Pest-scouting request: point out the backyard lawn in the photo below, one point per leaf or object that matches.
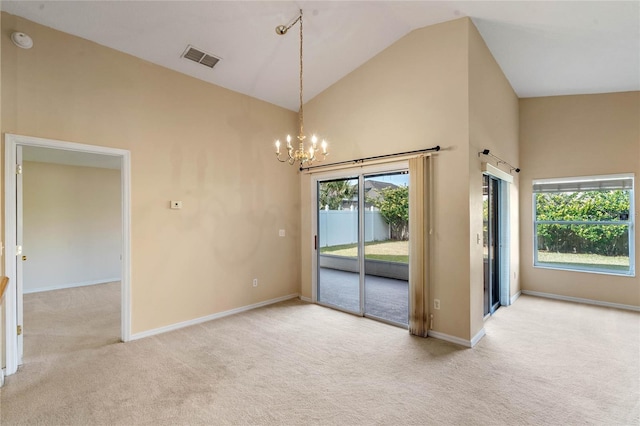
(614, 263)
(398, 251)
(390, 251)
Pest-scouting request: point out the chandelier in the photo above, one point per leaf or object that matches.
(304, 155)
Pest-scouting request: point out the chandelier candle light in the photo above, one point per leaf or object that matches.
(306, 156)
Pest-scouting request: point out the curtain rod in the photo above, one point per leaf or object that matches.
(500, 160)
(377, 157)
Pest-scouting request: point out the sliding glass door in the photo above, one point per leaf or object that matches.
(386, 247)
(363, 245)
(338, 248)
(490, 194)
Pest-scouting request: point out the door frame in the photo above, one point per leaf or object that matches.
(14, 290)
(345, 172)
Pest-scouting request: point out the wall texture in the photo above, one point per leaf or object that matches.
(190, 141)
(568, 136)
(72, 226)
(418, 93)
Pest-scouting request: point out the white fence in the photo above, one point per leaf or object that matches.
(339, 227)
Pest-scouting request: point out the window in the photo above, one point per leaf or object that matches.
(585, 224)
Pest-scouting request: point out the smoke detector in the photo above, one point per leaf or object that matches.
(22, 40)
(197, 55)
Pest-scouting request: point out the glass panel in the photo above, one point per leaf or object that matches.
(490, 227)
(338, 271)
(604, 247)
(386, 229)
(485, 241)
(584, 206)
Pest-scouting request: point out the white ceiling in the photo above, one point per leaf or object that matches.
(545, 48)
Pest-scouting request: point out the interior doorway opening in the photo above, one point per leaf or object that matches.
(71, 245)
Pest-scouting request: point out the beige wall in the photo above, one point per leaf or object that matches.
(413, 95)
(209, 147)
(568, 136)
(493, 124)
(72, 226)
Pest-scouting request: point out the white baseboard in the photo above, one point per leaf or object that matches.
(515, 297)
(306, 299)
(72, 285)
(581, 300)
(479, 335)
(457, 340)
(211, 317)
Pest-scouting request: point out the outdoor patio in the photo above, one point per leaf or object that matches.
(384, 297)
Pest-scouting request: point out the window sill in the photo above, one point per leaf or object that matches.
(629, 274)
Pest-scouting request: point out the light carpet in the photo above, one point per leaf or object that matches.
(541, 362)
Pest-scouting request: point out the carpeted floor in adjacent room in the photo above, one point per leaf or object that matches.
(541, 362)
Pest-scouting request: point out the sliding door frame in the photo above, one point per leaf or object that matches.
(345, 173)
(505, 180)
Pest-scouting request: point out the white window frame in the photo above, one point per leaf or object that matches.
(630, 223)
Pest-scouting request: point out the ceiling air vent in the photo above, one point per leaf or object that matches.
(197, 55)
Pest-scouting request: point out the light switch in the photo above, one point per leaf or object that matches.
(176, 204)
(281, 233)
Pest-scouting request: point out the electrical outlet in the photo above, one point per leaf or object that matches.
(176, 204)
(255, 282)
(436, 303)
(281, 233)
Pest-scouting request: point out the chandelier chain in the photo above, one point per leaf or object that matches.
(301, 112)
(308, 155)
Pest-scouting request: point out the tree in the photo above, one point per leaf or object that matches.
(335, 193)
(393, 204)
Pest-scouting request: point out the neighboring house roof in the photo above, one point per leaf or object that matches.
(373, 188)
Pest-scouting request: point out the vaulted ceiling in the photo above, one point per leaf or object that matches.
(545, 48)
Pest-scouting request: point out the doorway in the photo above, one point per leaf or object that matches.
(362, 244)
(14, 233)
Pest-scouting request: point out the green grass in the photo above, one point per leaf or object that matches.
(350, 246)
(389, 251)
(388, 258)
(581, 260)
